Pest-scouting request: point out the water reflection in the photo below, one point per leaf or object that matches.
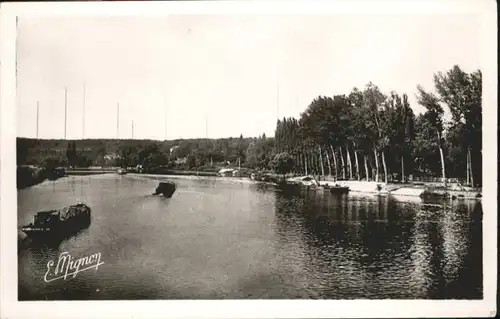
(364, 245)
(420, 252)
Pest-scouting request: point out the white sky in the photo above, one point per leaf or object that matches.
(227, 67)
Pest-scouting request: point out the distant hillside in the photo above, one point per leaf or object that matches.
(101, 152)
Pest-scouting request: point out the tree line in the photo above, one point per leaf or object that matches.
(369, 135)
(250, 152)
(364, 135)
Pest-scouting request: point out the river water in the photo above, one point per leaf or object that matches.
(217, 239)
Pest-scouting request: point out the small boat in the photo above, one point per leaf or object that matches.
(166, 189)
(307, 181)
(320, 188)
(56, 173)
(339, 190)
(288, 186)
(59, 223)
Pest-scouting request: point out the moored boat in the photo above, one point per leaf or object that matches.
(55, 173)
(166, 189)
(288, 185)
(59, 223)
(339, 190)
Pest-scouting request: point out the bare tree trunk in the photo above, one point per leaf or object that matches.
(328, 162)
(310, 163)
(305, 163)
(385, 166)
(296, 166)
(442, 164)
(321, 161)
(301, 162)
(349, 163)
(376, 163)
(357, 165)
(314, 164)
(402, 169)
(470, 167)
(343, 163)
(366, 168)
(334, 161)
(442, 158)
(318, 164)
(295, 163)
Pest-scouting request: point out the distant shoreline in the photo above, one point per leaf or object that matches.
(406, 189)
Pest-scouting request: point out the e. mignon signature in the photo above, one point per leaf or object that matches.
(70, 266)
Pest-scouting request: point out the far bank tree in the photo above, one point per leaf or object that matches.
(283, 163)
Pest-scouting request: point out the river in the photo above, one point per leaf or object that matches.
(220, 239)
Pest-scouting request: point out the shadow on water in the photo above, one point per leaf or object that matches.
(52, 242)
(384, 248)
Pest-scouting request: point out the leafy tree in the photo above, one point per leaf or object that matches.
(374, 101)
(462, 93)
(432, 123)
(283, 163)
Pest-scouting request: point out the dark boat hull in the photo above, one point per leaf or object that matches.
(58, 229)
(291, 189)
(167, 189)
(339, 190)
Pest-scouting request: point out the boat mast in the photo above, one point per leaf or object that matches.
(117, 120)
(83, 112)
(277, 100)
(65, 109)
(37, 117)
(206, 136)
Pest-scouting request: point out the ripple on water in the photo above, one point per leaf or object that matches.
(217, 239)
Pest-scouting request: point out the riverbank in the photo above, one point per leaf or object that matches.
(401, 190)
(171, 172)
(425, 190)
(161, 177)
(90, 171)
(27, 175)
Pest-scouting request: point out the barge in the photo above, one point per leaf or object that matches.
(339, 190)
(59, 223)
(166, 189)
